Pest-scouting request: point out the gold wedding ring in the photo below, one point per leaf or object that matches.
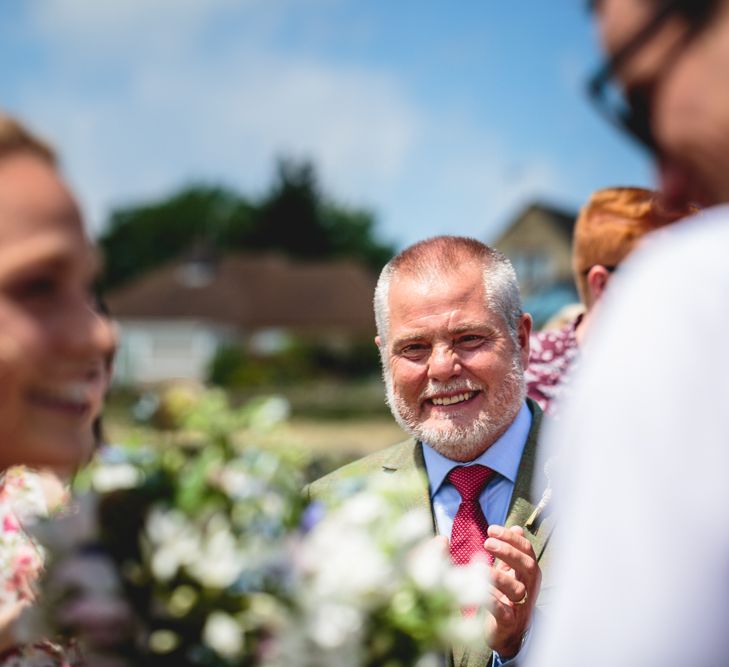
(524, 599)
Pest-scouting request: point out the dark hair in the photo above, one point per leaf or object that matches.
(695, 11)
(16, 138)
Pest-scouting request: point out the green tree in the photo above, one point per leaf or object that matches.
(139, 238)
(289, 217)
(352, 234)
(297, 218)
(293, 217)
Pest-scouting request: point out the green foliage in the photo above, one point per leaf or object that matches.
(352, 235)
(226, 363)
(232, 367)
(139, 238)
(293, 217)
(288, 218)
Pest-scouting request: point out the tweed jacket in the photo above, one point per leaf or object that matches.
(528, 488)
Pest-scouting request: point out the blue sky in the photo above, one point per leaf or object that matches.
(441, 117)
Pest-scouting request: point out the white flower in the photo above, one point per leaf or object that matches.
(413, 526)
(344, 561)
(223, 634)
(236, 483)
(218, 563)
(469, 584)
(429, 660)
(362, 509)
(427, 565)
(333, 624)
(466, 630)
(173, 539)
(271, 411)
(108, 478)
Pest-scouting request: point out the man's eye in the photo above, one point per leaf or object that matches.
(470, 341)
(414, 350)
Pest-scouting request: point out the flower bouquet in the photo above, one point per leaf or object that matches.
(203, 552)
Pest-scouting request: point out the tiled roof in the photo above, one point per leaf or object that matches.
(255, 291)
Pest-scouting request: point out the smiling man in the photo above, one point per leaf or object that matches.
(454, 342)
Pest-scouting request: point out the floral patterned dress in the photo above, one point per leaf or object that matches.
(21, 561)
(553, 358)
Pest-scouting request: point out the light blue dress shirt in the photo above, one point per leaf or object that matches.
(503, 457)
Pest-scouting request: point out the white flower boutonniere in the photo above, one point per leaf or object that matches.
(535, 519)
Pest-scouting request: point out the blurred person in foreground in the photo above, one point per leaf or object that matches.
(645, 509)
(53, 348)
(612, 223)
(454, 342)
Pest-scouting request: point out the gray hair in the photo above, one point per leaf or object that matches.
(442, 254)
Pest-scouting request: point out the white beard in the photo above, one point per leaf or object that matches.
(463, 442)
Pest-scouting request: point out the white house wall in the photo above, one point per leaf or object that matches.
(159, 350)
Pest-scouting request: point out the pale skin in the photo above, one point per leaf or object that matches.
(53, 345)
(597, 281)
(442, 332)
(687, 84)
(515, 574)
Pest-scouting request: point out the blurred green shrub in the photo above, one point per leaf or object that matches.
(233, 367)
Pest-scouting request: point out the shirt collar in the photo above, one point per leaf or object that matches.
(502, 457)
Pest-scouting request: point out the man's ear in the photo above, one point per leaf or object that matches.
(378, 342)
(524, 331)
(597, 279)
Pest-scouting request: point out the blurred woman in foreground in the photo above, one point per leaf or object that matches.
(53, 352)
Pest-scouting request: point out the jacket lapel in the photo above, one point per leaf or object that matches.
(529, 486)
(408, 459)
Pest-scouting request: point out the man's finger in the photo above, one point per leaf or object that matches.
(524, 564)
(513, 536)
(509, 586)
(502, 611)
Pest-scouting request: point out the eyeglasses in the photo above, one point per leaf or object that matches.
(631, 112)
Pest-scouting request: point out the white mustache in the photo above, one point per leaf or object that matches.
(456, 386)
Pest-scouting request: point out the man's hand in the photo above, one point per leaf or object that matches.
(516, 579)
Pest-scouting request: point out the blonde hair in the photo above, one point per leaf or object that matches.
(612, 223)
(16, 138)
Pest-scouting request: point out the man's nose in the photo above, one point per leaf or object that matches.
(443, 364)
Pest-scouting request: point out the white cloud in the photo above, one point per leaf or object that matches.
(104, 26)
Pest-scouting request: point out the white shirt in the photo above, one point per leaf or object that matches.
(642, 552)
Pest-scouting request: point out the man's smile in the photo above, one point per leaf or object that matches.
(452, 399)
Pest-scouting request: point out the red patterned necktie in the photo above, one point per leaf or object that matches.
(469, 526)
